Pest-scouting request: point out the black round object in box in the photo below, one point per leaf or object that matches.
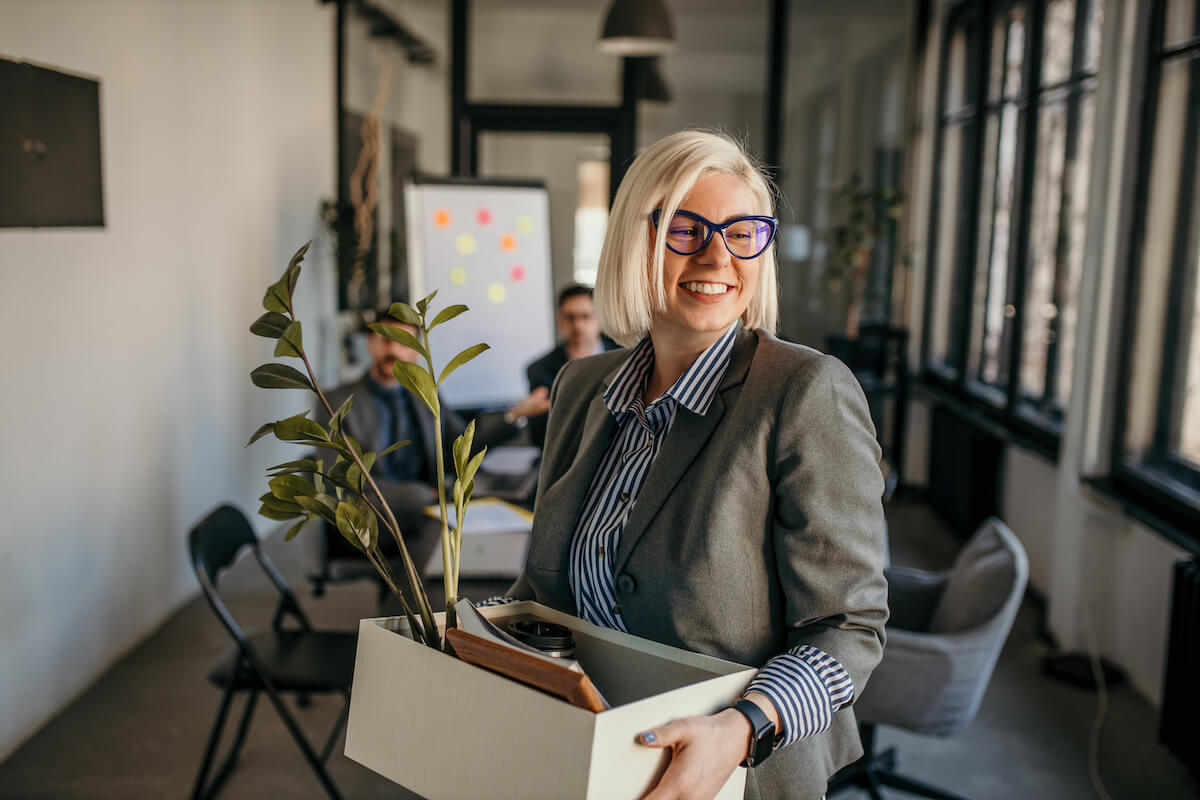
(549, 637)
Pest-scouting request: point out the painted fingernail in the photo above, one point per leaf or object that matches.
(649, 738)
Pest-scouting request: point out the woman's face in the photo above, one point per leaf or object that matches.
(708, 290)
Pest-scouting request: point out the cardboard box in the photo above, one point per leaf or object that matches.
(446, 729)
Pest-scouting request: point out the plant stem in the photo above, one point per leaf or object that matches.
(449, 560)
(414, 581)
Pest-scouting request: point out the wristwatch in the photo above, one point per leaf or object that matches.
(511, 419)
(762, 740)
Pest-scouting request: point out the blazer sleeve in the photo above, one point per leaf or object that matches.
(828, 530)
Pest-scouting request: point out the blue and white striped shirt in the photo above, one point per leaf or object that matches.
(805, 684)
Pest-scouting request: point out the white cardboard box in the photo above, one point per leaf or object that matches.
(446, 729)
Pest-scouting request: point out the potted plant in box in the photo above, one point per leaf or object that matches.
(339, 488)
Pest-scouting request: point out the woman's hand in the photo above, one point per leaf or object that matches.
(704, 753)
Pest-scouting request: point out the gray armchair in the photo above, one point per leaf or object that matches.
(943, 639)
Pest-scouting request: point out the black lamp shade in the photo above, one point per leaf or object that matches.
(637, 28)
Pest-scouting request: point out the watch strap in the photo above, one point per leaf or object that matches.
(762, 739)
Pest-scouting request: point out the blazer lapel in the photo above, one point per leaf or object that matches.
(688, 435)
(562, 501)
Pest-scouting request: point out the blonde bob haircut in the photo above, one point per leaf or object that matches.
(629, 278)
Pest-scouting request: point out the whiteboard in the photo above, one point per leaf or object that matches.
(486, 245)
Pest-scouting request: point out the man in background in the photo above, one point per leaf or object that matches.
(384, 412)
(580, 334)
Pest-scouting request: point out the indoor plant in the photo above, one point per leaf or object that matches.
(340, 489)
(868, 214)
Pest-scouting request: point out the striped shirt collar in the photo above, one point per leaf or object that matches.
(695, 388)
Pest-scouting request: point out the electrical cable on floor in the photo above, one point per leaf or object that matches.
(1093, 652)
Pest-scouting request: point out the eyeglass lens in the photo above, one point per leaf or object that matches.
(745, 238)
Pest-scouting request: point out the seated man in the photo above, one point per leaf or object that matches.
(577, 325)
(385, 412)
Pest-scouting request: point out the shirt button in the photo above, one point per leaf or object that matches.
(600, 549)
(626, 583)
(624, 497)
(616, 608)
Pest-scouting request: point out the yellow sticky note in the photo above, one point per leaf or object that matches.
(525, 224)
(496, 293)
(458, 276)
(465, 243)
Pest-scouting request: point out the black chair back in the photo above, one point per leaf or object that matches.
(217, 539)
(214, 543)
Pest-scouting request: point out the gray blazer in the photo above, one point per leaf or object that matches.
(759, 527)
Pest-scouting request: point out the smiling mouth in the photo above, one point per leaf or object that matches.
(706, 288)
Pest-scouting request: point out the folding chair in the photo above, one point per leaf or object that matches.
(298, 660)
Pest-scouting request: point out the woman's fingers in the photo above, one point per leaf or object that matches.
(665, 736)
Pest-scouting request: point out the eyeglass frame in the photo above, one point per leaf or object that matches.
(713, 227)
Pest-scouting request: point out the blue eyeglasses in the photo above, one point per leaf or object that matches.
(744, 237)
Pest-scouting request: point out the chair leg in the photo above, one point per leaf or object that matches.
(327, 750)
(302, 743)
(231, 760)
(210, 749)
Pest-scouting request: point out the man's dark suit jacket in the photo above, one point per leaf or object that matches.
(542, 373)
(759, 527)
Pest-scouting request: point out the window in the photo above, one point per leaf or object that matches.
(1157, 448)
(1018, 82)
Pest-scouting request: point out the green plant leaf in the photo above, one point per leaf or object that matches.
(300, 428)
(335, 446)
(423, 304)
(473, 465)
(460, 359)
(368, 514)
(322, 505)
(270, 325)
(338, 473)
(462, 447)
(318, 479)
(295, 529)
(277, 298)
(445, 315)
(289, 487)
(304, 465)
(345, 519)
(400, 336)
(359, 527)
(283, 509)
(405, 313)
(292, 273)
(368, 459)
(394, 447)
(335, 422)
(417, 381)
(261, 432)
(279, 376)
(290, 342)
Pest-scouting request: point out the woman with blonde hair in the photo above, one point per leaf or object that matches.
(715, 488)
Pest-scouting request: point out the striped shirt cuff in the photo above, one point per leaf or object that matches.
(806, 685)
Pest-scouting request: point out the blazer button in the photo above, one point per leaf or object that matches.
(616, 608)
(626, 583)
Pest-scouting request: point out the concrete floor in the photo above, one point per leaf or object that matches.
(140, 730)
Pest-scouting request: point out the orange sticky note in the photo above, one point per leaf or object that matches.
(441, 218)
(508, 242)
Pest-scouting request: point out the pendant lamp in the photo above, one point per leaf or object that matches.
(637, 28)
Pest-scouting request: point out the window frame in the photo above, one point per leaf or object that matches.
(1025, 419)
(1149, 482)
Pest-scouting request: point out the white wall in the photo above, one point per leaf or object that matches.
(125, 354)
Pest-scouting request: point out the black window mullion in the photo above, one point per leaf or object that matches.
(967, 249)
(1023, 191)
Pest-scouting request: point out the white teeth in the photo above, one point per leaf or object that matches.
(705, 288)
